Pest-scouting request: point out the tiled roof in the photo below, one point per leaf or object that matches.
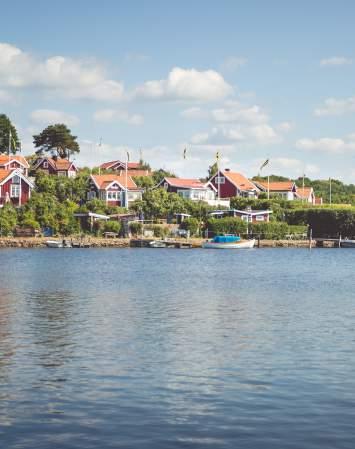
(136, 172)
(103, 181)
(279, 186)
(131, 165)
(5, 158)
(3, 174)
(239, 180)
(304, 192)
(185, 183)
(60, 164)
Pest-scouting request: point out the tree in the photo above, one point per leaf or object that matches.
(58, 140)
(6, 143)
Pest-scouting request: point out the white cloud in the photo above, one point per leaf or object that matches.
(327, 145)
(284, 127)
(235, 112)
(64, 76)
(194, 113)
(233, 63)
(335, 61)
(334, 106)
(50, 117)
(186, 84)
(112, 115)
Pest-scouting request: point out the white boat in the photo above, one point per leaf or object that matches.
(58, 244)
(347, 243)
(228, 242)
(157, 244)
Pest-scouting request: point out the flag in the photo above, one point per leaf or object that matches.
(127, 156)
(185, 153)
(14, 143)
(100, 142)
(217, 156)
(264, 164)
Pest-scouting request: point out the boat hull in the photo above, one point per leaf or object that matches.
(57, 244)
(347, 243)
(235, 245)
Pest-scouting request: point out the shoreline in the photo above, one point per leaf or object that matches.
(100, 242)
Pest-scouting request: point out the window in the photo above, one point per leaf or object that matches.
(91, 195)
(112, 196)
(45, 164)
(15, 191)
(16, 180)
(259, 217)
(244, 217)
(62, 173)
(220, 179)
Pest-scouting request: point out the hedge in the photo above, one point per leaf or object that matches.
(325, 222)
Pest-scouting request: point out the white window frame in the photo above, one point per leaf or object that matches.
(15, 190)
(45, 164)
(259, 218)
(61, 173)
(112, 195)
(220, 180)
(16, 179)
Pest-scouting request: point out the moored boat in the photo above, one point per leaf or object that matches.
(228, 242)
(347, 243)
(58, 244)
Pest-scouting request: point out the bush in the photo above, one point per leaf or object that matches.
(112, 226)
(227, 225)
(191, 224)
(8, 219)
(325, 222)
(135, 228)
(275, 230)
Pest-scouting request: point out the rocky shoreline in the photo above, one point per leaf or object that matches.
(96, 242)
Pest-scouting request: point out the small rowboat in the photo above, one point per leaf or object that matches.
(228, 242)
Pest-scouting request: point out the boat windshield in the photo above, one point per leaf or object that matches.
(226, 238)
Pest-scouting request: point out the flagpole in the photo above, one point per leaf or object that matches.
(330, 190)
(126, 180)
(303, 198)
(9, 144)
(268, 187)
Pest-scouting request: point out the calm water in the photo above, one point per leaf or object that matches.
(142, 348)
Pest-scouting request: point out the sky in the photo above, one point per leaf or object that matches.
(252, 80)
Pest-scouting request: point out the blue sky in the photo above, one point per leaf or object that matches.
(252, 80)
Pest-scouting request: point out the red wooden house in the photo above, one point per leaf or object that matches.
(233, 184)
(15, 188)
(12, 162)
(111, 188)
(56, 167)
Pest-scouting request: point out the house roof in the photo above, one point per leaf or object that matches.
(110, 164)
(239, 180)
(185, 183)
(304, 192)
(103, 181)
(57, 164)
(6, 174)
(5, 159)
(278, 186)
(137, 172)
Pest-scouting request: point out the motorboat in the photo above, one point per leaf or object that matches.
(228, 242)
(347, 243)
(58, 244)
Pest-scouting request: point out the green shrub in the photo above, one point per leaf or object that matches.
(135, 228)
(191, 224)
(275, 230)
(112, 226)
(227, 225)
(8, 219)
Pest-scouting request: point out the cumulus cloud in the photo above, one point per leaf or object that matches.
(327, 145)
(194, 113)
(335, 61)
(5, 97)
(68, 77)
(235, 112)
(186, 84)
(50, 116)
(334, 106)
(112, 115)
(284, 127)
